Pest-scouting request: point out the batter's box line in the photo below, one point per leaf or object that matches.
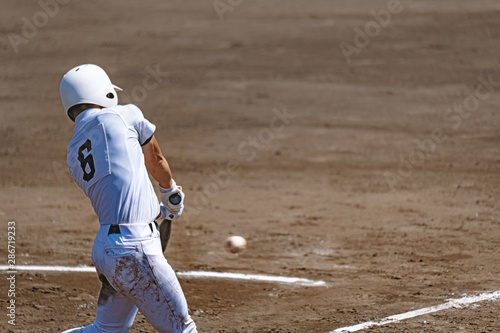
(186, 275)
(459, 303)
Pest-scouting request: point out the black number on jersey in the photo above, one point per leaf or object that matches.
(84, 161)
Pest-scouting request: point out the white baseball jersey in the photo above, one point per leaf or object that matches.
(105, 159)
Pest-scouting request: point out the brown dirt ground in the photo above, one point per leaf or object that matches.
(314, 201)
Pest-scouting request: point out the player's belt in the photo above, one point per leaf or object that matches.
(115, 228)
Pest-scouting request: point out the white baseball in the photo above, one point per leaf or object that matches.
(235, 244)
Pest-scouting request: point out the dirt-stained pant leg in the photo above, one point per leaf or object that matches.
(134, 275)
(115, 313)
(172, 297)
(146, 277)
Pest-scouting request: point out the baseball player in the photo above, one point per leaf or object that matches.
(111, 148)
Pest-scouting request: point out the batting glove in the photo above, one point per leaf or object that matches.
(173, 201)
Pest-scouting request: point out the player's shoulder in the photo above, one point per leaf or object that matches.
(129, 113)
(127, 109)
(122, 113)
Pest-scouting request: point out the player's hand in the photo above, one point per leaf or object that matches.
(173, 200)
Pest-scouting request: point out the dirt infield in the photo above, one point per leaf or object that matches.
(344, 145)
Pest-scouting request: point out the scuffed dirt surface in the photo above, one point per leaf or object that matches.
(313, 200)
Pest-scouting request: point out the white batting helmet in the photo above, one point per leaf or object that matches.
(87, 84)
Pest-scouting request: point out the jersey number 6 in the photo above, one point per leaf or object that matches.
(86, 160)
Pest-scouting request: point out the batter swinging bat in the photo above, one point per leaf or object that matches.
(166, 225)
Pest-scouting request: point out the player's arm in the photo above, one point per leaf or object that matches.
(158, 167)
(156, 163)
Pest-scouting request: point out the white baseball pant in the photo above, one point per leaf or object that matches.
(135, 275)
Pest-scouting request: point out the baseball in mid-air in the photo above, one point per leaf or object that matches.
(235, 244)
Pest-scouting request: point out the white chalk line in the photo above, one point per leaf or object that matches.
(254, 277)
(188, 274)
(452, 303)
